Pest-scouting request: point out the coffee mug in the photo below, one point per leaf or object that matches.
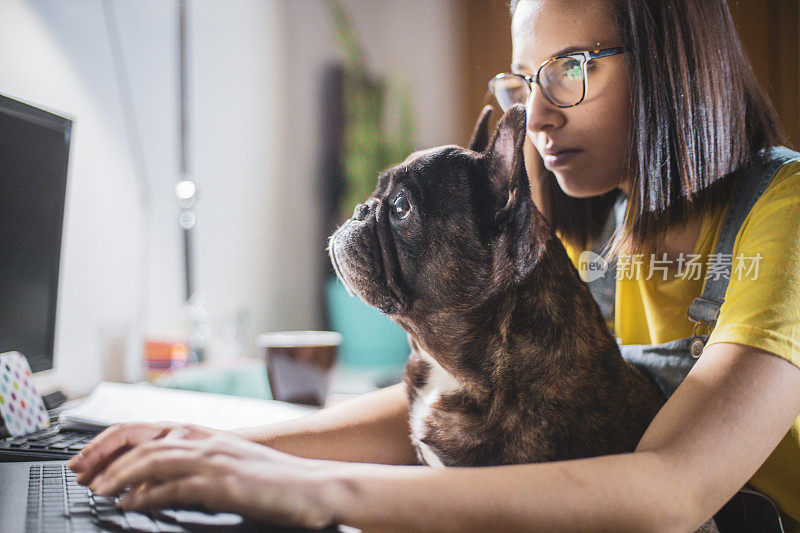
(299, 364)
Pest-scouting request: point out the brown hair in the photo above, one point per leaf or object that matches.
(697, 115)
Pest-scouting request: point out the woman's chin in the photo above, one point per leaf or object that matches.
(581, 188)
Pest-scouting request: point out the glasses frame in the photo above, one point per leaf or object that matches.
(584, 58)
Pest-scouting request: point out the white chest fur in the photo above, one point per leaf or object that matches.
(438, 382)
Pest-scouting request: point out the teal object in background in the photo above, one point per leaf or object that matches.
(370, 338)
(242, 377)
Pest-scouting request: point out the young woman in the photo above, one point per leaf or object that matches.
(649, 101)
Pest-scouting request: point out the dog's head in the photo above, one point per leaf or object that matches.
(445, 227)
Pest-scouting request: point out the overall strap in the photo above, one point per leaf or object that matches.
(753, 181)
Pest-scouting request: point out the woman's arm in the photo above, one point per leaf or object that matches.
(706, 442)
(371, 428)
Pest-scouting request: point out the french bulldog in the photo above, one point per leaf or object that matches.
(511, 359)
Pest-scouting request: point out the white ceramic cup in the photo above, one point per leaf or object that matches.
(299, 364)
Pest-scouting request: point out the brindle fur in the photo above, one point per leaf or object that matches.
(484, 287)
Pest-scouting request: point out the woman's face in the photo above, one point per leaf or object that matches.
(594, 135)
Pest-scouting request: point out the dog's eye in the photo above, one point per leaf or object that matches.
(401, 207)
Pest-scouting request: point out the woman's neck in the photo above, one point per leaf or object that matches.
(681, 240)
(678, 240)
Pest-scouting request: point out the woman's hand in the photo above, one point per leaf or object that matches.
(175, 465)
(120, 438)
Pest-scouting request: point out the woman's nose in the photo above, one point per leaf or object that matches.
(542, 115)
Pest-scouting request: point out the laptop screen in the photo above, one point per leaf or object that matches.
(34, 151)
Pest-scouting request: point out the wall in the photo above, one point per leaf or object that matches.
(488, 52)
(60, 61)
(254, 145)
(413, 42)
(770, 32)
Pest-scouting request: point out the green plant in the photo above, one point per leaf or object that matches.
(368, 148)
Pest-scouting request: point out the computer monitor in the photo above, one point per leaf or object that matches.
(34, 151)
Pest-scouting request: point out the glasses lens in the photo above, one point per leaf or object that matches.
(562, 81)
(509, 90)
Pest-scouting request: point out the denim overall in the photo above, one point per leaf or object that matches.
(667, 364)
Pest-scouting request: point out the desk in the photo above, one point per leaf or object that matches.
(248, 377)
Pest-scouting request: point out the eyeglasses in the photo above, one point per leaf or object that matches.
(562, 80)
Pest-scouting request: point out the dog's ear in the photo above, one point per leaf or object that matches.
(480, 134)
(506, 162)
(515, 214)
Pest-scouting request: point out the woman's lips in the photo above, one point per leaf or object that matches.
(559, 159)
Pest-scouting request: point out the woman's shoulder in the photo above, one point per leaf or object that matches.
(786, 180)
(761, 301)
(779, 204)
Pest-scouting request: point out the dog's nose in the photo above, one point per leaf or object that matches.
(360, 212)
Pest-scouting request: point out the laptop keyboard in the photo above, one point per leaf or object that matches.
(50, 443)
(56, 502)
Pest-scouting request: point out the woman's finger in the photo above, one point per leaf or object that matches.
(160, 460)
(183, 491)
(157, 467)
(109, 444)
(116, 440)
(224, 488)
(180, 432)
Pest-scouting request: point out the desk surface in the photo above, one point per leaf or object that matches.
(248, 377)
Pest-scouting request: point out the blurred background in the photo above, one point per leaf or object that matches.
(291, 107)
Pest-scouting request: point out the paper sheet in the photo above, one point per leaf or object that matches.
(112, 403)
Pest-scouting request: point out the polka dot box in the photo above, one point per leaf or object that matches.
(21, 408)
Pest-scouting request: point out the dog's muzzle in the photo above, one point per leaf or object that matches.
(356, 253)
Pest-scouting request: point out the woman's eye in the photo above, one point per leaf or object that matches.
(401, 207)
(572, 70)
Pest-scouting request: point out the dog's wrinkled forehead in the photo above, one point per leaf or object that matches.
(420, 157)
(429, 170)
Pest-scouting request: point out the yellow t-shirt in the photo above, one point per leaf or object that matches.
(761, 308)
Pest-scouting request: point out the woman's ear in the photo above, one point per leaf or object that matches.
(480, 134)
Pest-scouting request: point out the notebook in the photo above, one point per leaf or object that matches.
(112, 403)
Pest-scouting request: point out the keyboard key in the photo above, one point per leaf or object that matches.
(43, 434)
(79, 509)
(112, 520)
(45, 441)
(140, 522)
(67, 442)
(48, 443)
